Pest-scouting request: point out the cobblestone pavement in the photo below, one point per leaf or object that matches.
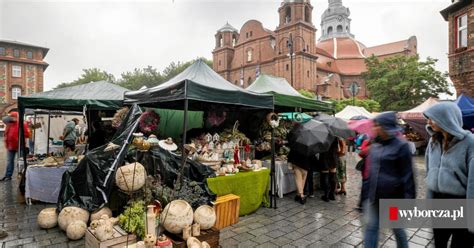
(316, 224)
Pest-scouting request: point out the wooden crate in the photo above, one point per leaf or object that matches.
(118, 241)
(211, 236)
(227, 210)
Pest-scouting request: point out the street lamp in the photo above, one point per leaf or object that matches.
(291, 54)
(354, 89)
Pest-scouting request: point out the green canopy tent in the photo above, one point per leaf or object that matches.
(99, 95)
(286, 97)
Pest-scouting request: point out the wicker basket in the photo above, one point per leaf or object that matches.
(211, 236)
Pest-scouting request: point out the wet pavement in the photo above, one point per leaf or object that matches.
(315, 224)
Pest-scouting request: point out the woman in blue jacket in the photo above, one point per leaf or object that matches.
(390, 176)
(449, 165)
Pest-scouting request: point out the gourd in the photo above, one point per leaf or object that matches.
(205, 216)
(76, 230)
(48, 218)
(105, 228)
(176, 215)
(130, 177)
(71, 214)
(97, 214)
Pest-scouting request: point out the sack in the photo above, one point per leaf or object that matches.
(360, 165)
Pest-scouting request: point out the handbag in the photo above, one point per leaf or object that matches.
(360, 165)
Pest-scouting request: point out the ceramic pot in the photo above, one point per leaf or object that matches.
(176, 215)
(205, 216)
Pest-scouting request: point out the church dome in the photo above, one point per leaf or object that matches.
(227, 28)
(343, 48)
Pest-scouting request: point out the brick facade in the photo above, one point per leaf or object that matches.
(29, 81)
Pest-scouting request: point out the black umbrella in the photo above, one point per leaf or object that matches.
(337, 125)
(310, 138)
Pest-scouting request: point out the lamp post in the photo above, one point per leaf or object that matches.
(290, 45)
(354, 89)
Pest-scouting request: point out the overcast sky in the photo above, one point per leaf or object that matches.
(118, 36)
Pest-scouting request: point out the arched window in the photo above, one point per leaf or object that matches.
(288, 15)
(219, 62)
(307, 14)
(287, 67)
(339, 28)
(347, 28)
(16, 92)
(235, 82)
(249, 55)
(234, 40)
(330, 30)
(249, 81)
(219, 41)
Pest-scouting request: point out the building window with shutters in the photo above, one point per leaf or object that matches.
(461, 31)
(16, 92)
(16, 71)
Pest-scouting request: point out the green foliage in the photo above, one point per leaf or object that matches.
(403, 82)
(370, 105)
(307, 93)
(132, 219)
(89, 75)
(134, 80)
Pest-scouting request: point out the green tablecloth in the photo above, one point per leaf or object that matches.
(252, 187)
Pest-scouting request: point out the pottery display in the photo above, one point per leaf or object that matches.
(150, 240)
(176, 215)
(205, 216)
(98, 213)
(105, 228)
(138, 139)
(187, 232)
(196, 229)
(76, 230)
(153, 140)
(204, 244)
(130, 177)
(193, 242)
(48, 218)
(150, 220)
(71, 214)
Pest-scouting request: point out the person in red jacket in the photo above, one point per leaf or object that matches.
(11, 143)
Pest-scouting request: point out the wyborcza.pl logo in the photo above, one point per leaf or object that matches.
(409, 214)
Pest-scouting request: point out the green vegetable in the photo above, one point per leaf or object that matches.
(132, 219)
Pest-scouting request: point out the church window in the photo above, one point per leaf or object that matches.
(221, 42)
(339, 28)
(16, 92)
(234, 40)
(219, 62)
(307, 48)
(247, 35)
(330, 30)
(251, 33)
(461, 31)
(287, 67)
(249, 81)
(347, 28)
(288, 15)
(235, 82)
(307, 13)
(307, 74)
(249, 55)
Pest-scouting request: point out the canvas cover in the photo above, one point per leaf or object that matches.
(96, 95)
(198, 83)
(350, 111)
(417, 112)
(285, 95)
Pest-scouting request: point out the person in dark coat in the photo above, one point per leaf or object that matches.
(390, 176)
(329, 161)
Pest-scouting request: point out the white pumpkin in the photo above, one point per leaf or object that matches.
(205, 216)
(176, 215)
(48, 218)
(130, 177)
(204, 244)
(98, 213)
(193, 242)
(105, 228)
(76, 230)
(71, 214)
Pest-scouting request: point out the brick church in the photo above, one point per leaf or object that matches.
(328, 67)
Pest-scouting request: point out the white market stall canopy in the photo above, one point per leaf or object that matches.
(417, 112)
(351, 111)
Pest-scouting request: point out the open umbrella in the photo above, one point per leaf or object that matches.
(359, 117)
(310, 138)
(338, 126)
(295, 116)
(363, 126)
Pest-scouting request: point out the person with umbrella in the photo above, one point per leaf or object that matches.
(305, 142)
(390, 177)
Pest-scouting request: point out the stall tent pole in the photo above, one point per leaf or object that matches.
(272, 175)
(22, 137)
(49, 130)
(89, 126)
(34, 134)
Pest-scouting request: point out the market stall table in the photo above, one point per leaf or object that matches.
(285, 178)
(252, 187)
(43, 183)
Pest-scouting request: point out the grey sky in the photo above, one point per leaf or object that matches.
(118, 36)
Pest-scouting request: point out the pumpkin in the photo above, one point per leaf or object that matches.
(130, 177)
(76, 230)
(98, 213)
(193, 242)
(48, 218)
(204, 244)
(205, 216)
(71, 214)
(176, 216)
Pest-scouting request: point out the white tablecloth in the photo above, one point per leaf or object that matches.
(285, 178)
(44, 183)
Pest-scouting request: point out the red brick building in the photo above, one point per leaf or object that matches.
(21, 72)
(327, 67)
(460, 17)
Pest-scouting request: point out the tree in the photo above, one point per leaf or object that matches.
(138, 78)
(307, 93)
(89, 75)
(370, 105)
(403, 82)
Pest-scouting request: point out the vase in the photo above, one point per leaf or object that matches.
(150, 220)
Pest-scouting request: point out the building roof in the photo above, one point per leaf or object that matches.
(342, 48)
(227, 28)
(351, 67)
(17, 43)
(389, 48)
(455, 6)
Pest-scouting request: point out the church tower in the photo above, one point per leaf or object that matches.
(223, 54)
(296, 32)
(335, 21)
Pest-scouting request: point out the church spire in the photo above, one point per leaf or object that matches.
(335, 21)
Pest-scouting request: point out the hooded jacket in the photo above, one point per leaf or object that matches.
(11, 133)
(451, 171)
(391, 165)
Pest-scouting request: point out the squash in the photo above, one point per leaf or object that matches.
(98, 213)
(130, 177)
(71, 214)
(76, 230)
(48, 218)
